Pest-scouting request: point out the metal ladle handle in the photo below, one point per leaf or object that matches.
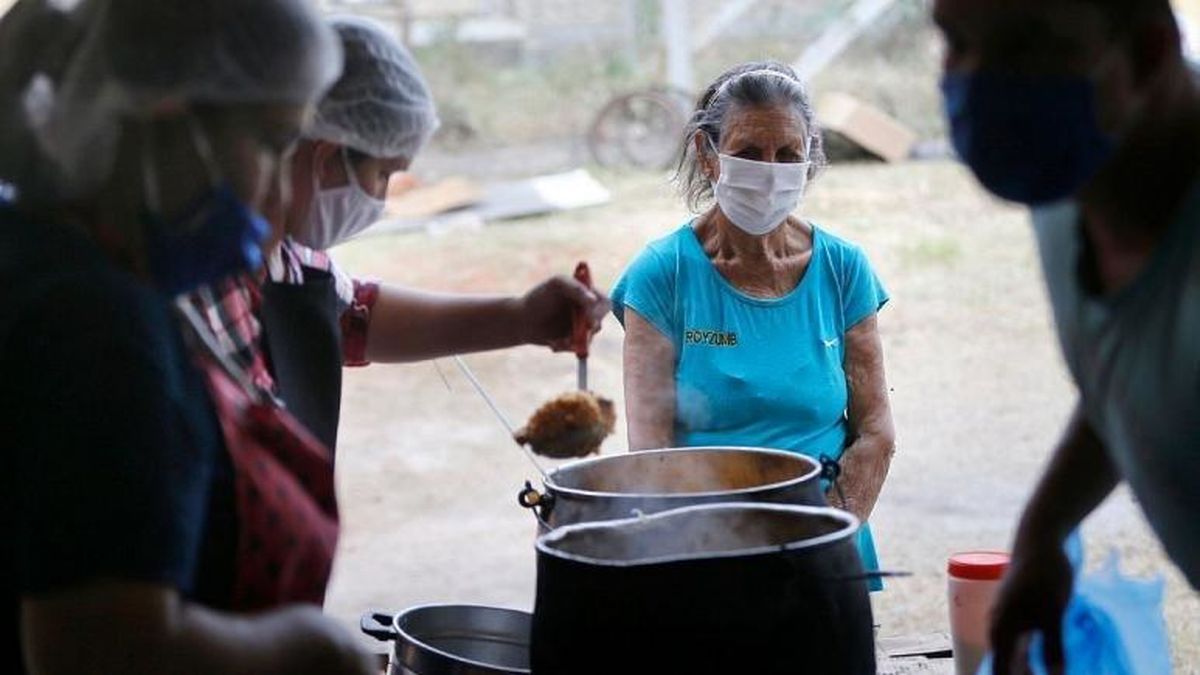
(581, 328)
(508, 426)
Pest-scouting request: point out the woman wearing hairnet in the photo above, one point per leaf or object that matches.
(369, 126)
(161, 514)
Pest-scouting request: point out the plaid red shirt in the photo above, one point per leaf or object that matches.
(356, 297)
(231, 306)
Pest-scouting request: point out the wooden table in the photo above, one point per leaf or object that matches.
(899, 655)
(914, 655)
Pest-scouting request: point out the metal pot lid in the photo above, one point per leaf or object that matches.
(842, 525)
(555, 485)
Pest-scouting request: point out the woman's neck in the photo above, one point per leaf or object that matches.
(1138, 193)
(1129, 206)
(725, 241)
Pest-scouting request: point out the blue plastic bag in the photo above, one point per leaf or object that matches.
(1113, 624)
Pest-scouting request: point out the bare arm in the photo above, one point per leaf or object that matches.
(412, 325)
(130, 629)
(649, 364)
(1038, 584)
(1080, 476)
(865, 463)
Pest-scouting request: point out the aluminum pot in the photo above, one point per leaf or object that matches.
(715, 588)
(453, 639)
(649, 481)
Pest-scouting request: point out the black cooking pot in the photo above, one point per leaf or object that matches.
(618, 486)
(719, 588)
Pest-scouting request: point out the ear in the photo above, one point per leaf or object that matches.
(705, 156)
(327, 163)
(1154, 46)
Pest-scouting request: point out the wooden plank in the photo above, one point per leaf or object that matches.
(837, 37)
(429, 200)
(914, 666)
(866, 126)
(676, 32)
(927, 645)
(725, 17)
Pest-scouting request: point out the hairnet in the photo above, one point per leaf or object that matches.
(112, 59)
(381, 105)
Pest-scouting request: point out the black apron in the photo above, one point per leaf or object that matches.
(303, 343)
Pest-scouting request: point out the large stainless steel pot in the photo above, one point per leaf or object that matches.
(618, 486)
(453, 639)
(716, 588)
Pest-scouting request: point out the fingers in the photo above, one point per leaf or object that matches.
(553, 305)
(1004, 644)
(594, 303)
(1020, 655)
(1054, 647)
(561, 345)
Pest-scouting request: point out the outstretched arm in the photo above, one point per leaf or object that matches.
(126, 628)
(1038, 584)
(412, 325)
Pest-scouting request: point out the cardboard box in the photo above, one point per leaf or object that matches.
(866, 126)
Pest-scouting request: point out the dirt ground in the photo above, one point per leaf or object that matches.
(428, 479)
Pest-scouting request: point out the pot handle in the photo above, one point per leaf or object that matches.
(874, 574)
(540, 503)
(378, 625)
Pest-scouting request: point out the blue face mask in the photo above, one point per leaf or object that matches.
(1032, 140)
(218, 235)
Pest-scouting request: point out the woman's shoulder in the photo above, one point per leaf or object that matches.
(662, 255)
(850, 275)
(649, 283)
(841, 253)
(59, 287)
(674, 244)
(834, 243)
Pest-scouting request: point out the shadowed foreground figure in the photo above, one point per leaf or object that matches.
(1085, 111)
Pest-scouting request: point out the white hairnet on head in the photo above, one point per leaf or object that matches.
(380, 105)
(115, 59)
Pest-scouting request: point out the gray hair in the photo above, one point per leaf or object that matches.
(756, 84)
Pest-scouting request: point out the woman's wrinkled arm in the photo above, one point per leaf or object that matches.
(866, 461)
(649, 364)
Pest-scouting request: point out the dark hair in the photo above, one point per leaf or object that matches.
(757, 84)
(356, 157)
(1124, 15)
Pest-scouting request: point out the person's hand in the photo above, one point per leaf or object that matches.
(327, 648)
(1033, 597)
(547, 311)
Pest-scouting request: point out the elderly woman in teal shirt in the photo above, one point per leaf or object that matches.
(751, 326)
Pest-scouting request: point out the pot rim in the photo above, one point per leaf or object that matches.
(850, 525)
(555, 487)
(400, 635)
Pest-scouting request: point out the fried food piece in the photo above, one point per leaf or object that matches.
(573, 424)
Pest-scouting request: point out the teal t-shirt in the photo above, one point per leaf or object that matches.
(756, 371)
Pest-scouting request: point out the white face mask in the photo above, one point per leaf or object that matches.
(337, 214)
(758, 196)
